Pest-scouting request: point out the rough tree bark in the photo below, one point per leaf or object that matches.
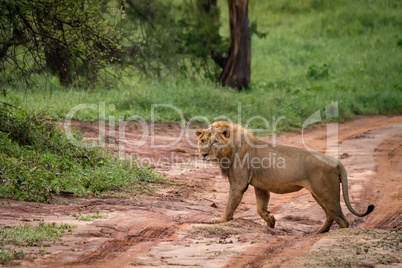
(236, 73)
(236, 66)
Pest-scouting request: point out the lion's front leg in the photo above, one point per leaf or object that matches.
(235, 195)
(262, 198)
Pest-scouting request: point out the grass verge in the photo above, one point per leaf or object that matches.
(37, 161)
(12, 239)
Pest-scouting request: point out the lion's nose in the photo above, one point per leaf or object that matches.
(204, 155)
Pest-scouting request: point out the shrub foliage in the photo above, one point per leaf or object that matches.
(37, 161)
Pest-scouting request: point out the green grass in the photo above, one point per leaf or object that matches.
(358, 42)
(28, 236)
(7, 255)
(90, 217)
(38, 161)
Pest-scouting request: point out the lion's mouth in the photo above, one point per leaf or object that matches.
(209, 159)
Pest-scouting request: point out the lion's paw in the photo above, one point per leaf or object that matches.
(271, 222)
(219, 220)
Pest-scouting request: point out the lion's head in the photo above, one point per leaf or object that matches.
(217, 141)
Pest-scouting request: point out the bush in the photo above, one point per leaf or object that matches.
(37, 160)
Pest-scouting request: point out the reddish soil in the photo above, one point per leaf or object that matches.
(171, 227)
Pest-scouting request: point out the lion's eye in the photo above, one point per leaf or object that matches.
(202, 141)
(214, 141)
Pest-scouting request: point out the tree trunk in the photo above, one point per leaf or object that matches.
(58, 62)
(236, 73)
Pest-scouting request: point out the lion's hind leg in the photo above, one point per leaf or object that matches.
(328, 197)
(328, 221)
(262, 198)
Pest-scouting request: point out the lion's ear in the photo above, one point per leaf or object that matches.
(198, 131)
(226, 133)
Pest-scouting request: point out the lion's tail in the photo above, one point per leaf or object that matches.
(344, 180)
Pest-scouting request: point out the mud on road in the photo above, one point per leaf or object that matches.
(171, 227)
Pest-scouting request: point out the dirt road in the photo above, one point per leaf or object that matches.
(172, 226)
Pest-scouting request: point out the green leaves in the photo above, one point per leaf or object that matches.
(317, 72)
(43, 162)
(70, 39)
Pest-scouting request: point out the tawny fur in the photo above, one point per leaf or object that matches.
(245, 161)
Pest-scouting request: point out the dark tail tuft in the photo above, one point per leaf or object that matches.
(369, 210)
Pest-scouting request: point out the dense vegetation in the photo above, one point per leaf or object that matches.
(87, 42)
(37, 161)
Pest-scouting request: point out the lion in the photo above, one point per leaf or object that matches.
(246, 160)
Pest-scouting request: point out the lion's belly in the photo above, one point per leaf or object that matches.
(275, 187)
(280, 181)
(289, 170)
